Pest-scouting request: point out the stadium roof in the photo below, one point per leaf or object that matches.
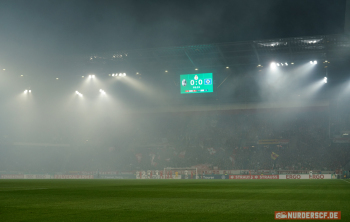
(326, 47)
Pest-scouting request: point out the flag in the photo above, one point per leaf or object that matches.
(274, 155)
(182, 154)
(232, 158)
(152, 155)
(211, 150)
(138, 156)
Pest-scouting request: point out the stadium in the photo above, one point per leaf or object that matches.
(204, 132)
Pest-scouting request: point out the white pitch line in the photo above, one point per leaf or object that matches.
(19, 189)
(346, 181)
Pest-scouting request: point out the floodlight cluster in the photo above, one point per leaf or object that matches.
(282, 64)
(78, 93)
(116, 74)
(274, 64)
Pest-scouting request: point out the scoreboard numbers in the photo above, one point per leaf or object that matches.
(198, 83)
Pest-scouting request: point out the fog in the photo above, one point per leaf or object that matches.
(142, 122)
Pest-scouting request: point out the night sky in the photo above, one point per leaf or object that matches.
(44, 37)
(66, 27)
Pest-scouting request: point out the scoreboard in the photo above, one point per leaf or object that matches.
(196, 83)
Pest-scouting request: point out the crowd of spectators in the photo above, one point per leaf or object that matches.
(227, 140)
(239, 141)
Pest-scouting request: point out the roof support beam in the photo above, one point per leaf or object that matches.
(222, 56)
(291, 56)
(347, 19)
(256, 53)
(190, 59)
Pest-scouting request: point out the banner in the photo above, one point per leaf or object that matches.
(214, 177)
(12, 176)
(115, 177)
(305, 176)
(25, 176)
(171, 176)
(274, 141)
(73, 177)
(254, 177)
(36, 176)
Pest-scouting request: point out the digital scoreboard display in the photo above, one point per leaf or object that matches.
(196, 83)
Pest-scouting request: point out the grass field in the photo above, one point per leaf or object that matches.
(168, 200)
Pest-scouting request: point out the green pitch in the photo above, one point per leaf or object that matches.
(168, 200)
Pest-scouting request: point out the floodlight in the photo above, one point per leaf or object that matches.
(29, 91)
(315, 62)
(325, 80)
(311, 62)
(227, 67)
(93, 76)
(25, 91)
(281, 64)
(196, 69)
(286, 64)
(124, 74)
(277, 64)
(78, 93)
(273, 65)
